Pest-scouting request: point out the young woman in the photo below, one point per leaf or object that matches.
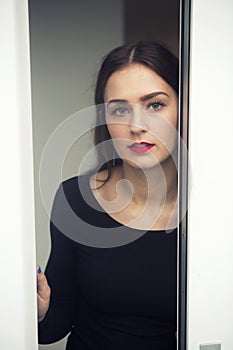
(121, 296)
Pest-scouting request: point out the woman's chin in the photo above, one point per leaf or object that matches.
(141, 164)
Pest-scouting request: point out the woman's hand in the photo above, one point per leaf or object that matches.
(43, 294)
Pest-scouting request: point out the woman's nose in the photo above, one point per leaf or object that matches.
(137, 121)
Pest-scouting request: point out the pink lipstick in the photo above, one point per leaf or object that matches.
(141, 147)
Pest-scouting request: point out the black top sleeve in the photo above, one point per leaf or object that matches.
(60, 275)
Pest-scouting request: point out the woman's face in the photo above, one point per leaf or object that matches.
(141, 115)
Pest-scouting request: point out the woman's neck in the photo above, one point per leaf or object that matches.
(157, 184)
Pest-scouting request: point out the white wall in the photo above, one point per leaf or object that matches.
(18, 326)
(210, 272)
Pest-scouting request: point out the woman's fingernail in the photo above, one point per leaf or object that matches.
(39, 270)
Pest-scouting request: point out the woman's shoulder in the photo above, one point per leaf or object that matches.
(76, 197)
(73, 193)
(73, 183)
(85, 186)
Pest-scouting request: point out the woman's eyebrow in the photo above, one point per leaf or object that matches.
(153, 94)
(117, 101)
(143, 98)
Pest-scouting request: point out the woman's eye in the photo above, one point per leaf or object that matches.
(156, 105)
(120, 111)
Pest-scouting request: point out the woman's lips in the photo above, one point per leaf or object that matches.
(141, 147)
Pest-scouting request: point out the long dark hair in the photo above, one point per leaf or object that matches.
(150, 54)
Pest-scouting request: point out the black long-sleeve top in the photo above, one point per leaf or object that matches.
(116, 298)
